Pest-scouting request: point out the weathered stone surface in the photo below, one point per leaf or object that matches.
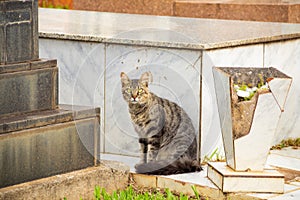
(73, 185)
(56, 145)
(28, 87)
(65, 113)
(18, 31)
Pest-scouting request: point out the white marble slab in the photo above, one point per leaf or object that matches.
(159, 31)
(176, 76)
(222, 84)
(285, 57)
(286, 158)
(251, 150)
(81, 71)
(245, 56)
(231, 181)
(81, 67)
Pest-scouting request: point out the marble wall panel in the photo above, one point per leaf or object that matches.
(81, 71)
(176, 76)
(285, 57)
(246, 56)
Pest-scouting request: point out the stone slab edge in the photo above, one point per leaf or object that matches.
(65, 113)
(150, 181)
(26, 66)
(74, 185)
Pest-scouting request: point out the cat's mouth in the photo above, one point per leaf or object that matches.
(134, 100)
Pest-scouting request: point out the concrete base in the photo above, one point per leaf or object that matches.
(47, 143)
(227, 180)
(74, 185)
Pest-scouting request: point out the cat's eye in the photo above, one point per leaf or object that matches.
(141, 90)
(128, 90)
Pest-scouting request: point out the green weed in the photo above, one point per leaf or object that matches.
(131, 194)
(287, 143)
(214, 156)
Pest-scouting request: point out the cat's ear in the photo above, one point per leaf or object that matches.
(146, 78)
(124, 79)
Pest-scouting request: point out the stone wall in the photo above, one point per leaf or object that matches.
(268, 10)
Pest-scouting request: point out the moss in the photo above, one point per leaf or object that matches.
(287, 143)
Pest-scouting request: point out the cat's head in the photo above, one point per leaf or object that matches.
(136, 91)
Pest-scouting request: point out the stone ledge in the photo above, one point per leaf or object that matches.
(166, 32)
(27, 66)
(174, 184)
(65, 113)
(74, 185)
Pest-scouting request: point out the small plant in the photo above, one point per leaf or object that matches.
(295, 143)
(214, 156)
(131, 194)
(246, 92)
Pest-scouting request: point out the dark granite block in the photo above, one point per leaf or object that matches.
(18, 31)
(2, 38)
(29, 90)
(51, 148)
(18, 42)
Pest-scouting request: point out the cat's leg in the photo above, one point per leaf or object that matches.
(143, 150)
(153, 148)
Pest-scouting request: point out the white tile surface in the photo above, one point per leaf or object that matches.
(176, 76)
(198, 178)
(247, 56)
(288, 196)
(284, 162)
(128, 160)
(285, 57)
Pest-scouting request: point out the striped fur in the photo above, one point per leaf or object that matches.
(166, 134)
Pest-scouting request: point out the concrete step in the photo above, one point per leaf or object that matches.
(79, 184)
(47, 143)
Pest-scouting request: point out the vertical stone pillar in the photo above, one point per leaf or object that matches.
(18, 31)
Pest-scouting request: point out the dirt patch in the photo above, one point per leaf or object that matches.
(290, 175)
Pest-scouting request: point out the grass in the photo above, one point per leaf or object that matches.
(295, 143)
(131, 194)
(214, 156)
(151, 194)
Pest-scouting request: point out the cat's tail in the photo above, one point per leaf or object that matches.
(165, 168)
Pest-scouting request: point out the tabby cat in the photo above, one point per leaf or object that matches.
(166, 134)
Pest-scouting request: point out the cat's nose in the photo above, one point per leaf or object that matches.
(134, 95)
